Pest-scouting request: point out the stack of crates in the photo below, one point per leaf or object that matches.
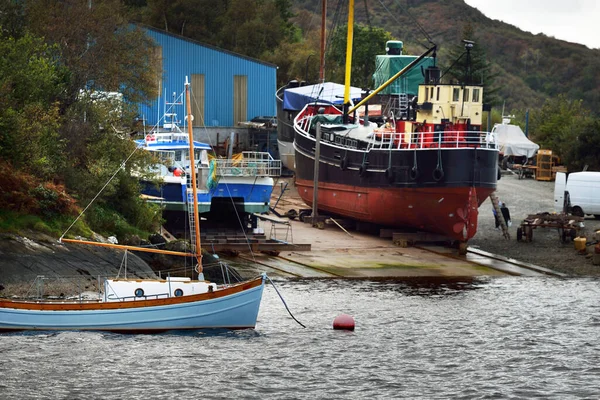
(544, 165)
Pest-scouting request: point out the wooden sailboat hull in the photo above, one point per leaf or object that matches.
(235, 307)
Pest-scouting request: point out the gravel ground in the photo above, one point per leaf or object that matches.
(524, 197)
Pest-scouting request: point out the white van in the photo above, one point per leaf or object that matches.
(579, 193)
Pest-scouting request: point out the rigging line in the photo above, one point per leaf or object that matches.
(452, 65)
(416, 21)
(337, 15)
(228, 190)
(122, 166)
(367, 15)
(412, 17)
(312, 17)
(284, 303)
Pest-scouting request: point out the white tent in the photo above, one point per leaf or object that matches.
(512, 141)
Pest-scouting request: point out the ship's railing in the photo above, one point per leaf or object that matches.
(383, 140)
(166, 137)
(251, 163)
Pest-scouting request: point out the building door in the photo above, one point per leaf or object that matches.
(197, 99)
(240, 98)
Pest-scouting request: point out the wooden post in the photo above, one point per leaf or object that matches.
(315, 212)
(494, 200)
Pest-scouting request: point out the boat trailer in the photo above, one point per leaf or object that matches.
(568, 226)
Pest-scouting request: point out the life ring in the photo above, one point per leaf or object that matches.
(438, 174)
(414, 173)
(150, 138)
(362, 170)
(343, 163)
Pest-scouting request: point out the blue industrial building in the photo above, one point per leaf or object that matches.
(227, 88)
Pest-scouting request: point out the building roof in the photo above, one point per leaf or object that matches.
(207, 45)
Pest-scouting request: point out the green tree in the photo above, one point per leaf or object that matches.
(367, 43)
(472, 66)
(101, 50)
(31, 81)
(560, 125)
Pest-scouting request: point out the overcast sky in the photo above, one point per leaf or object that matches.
(576, 21)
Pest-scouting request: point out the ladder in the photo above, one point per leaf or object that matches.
(403, 104)
(494, 200)
(192, 222)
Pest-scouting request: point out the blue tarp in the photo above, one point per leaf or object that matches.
(328, 92)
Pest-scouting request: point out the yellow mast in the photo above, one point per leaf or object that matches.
(193, 172)
(349, 51)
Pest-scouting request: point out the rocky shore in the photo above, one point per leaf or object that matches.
(25, 257)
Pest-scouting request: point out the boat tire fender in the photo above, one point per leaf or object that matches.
(362, 170)
(414, 173)
(389, 174)
(343, 164)
(438, 174)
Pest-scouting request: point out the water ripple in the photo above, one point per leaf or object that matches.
(508, 338)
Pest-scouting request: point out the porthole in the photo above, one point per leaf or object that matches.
(178, 292)
(139, 292)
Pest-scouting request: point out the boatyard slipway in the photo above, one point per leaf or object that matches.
(336, 253)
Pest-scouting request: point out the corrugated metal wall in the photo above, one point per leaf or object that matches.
(182, 57)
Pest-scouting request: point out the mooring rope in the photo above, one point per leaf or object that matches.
(284, 303)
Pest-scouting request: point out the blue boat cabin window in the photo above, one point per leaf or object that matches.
(178, 155)
(178, 292)
(139, 292)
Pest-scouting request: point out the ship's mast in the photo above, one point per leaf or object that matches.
(198, 249)
(323, 27)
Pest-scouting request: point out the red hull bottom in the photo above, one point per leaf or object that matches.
(444, 210)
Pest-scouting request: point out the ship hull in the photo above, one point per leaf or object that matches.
(285, 132)
(435, 190)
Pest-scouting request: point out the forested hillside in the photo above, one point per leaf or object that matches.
(60, 140)
(529, 68)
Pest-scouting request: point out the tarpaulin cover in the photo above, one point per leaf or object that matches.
(387, 66)
(512, 141)
(328, 92)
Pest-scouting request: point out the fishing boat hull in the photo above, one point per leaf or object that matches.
(235, 307)
(440, 195)
(251, 196)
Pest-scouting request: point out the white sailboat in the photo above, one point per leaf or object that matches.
(145, 305)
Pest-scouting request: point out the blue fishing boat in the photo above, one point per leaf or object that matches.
(246, 178)
(145, 305)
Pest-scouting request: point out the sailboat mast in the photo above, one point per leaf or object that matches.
(349, 51)
(193, 172)
(323, 19)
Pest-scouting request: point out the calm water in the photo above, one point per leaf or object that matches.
(500, 338)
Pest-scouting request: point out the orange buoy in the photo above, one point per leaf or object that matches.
(343, 322)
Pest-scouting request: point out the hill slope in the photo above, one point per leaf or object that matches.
(530, 67)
